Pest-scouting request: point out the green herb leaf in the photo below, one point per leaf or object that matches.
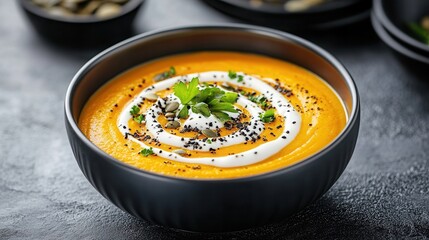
(232, 74)
(217, 106)
(164, 75)
(139, 119)
(134, 110)
(209, 141)
(186, 92)
(222, 116)
(184, 112)
(146, 152)
(172, 71)
(240, 78)
(201, 108)
(208, 94)
(267, 116)
(230, 97)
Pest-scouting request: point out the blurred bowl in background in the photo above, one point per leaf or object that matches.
(274, 13)
(396, 15)
(415, 60)
(82, 31)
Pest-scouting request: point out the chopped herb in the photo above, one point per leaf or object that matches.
(209, 141)
(172, 71)
(146, 152)
(232, 74)
(164, 75)
(230, 97)
(139, 119)
(260, 100)
(134, 110)
(267, 116)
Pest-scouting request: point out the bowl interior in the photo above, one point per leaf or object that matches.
(399, 13)
(29, 6)
(240, 38)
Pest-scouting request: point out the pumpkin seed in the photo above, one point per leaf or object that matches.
(171, 107)
(170, 115)
(108, 10)
(90, 8)
(209, 133)
(151, 97)
(59, 11)
(172, 125)
(179, 151)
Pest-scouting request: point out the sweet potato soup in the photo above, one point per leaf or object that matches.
(213, 115)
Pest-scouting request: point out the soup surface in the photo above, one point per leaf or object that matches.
(213, 115)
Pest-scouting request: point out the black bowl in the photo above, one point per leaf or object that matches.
(211, 205)
(88, 31)
(408, 56)
(394, 15)
(330, 14)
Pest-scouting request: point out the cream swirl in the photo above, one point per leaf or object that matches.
(292, 123)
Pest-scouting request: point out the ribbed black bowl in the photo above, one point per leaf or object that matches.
(89, 31)
(211, 205)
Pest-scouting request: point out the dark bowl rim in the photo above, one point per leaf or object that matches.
(353, 119)
(392, 43)
(126, 9)
(380, 13)
(314, 10)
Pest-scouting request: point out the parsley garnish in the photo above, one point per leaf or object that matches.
(201, 108)
(184, 112)
(209, 141)
(267, 116)
(186, 92)
(146, 152)
(134, 110)
(210, 100)
(139, 119)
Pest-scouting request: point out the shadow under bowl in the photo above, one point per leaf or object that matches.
(82, 32)
(395, 15)
(218, 205)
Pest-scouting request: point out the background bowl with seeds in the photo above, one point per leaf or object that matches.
(82, 22)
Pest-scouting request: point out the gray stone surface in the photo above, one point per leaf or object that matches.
(383, 193)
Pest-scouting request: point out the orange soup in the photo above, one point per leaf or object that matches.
(213, 115)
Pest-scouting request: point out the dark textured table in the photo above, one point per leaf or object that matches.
(383, 193)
